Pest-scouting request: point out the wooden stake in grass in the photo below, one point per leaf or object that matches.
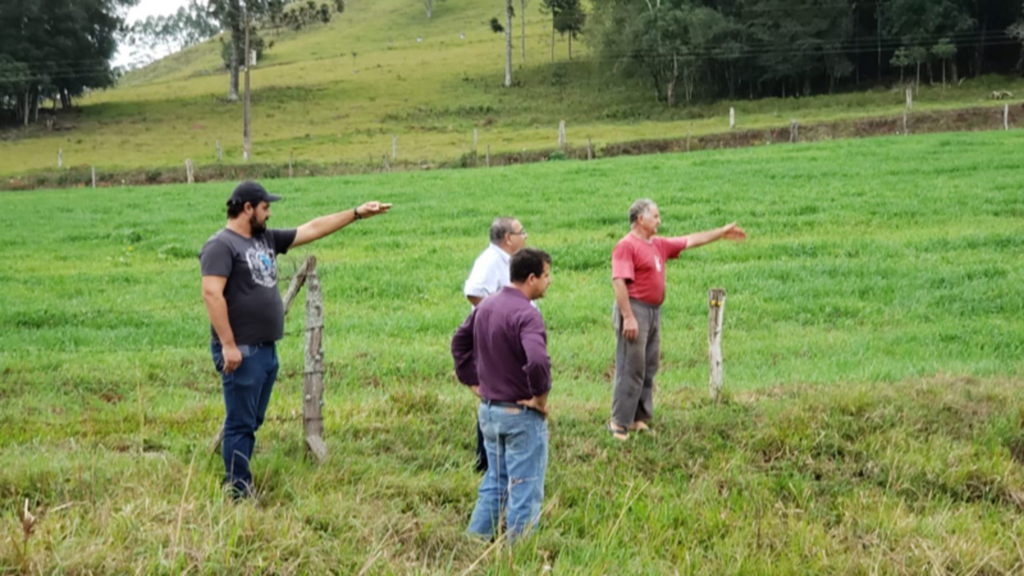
(906, 130)
(561, 134)
(794, 131)
(247, 102)
(910, 99)
(189, 171)
(687, 139)
(220, 152)
(732, 118)
(313, 375)
(1006, 116)
(474, 141)
(291, 161)
(488, 155)
(93, 177)
(590, 149)
(716, 310)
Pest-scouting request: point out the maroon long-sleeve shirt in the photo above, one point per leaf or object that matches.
(502, 347)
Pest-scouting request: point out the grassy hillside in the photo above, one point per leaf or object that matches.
(415, 78)
(872, 355)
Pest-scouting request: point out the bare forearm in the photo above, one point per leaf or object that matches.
(327, 225)
(706, 237)
(217, 309)
(622, 298)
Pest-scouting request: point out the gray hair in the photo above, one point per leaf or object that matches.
(641, 207)
(501, 227)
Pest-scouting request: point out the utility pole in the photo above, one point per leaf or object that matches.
(246, 131)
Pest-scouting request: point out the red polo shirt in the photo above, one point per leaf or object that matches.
(642, 265)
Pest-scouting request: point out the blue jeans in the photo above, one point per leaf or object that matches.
(246, 396)
(516, 440)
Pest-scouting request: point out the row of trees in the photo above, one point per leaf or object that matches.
(712, 48)
(55, 49)
(58, 49)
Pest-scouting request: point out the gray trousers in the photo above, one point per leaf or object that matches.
(636, 363)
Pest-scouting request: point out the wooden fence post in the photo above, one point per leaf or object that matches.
(190, 171)
(1006, 117)
(313, 374)
(732, 118)
(561, 134)
(291, 162)
(687, 139)
(220, 152)
(488, 155)
(716, 310)
(93, 177)
(906, 130)
(474, 141)
(794, 131)
(590, 149)
(910, 99)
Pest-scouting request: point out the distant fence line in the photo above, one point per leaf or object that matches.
(968, 119)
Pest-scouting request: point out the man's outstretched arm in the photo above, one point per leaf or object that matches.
(326, 225)
(728, 232)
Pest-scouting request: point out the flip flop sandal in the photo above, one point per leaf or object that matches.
(619, 433)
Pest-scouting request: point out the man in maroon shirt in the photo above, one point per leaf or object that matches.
(638, 277)
(500, 352)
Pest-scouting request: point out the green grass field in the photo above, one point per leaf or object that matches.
(872, 357)
(314, 99)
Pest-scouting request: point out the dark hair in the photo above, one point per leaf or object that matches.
(501, 227)
(235, 209)
(528, 261)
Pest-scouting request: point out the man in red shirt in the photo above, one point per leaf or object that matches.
(638, 276)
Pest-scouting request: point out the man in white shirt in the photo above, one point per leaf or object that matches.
(490, 271)
(489, 275)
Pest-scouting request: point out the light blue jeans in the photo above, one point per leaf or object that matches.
(516, 440)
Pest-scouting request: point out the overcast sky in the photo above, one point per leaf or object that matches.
(145, 9)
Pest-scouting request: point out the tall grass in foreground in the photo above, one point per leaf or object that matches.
(872, 357)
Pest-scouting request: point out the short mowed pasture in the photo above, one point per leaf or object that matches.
(873, 338)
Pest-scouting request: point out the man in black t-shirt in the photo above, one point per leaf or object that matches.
(239, 269)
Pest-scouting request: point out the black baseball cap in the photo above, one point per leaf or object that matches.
(252, 193)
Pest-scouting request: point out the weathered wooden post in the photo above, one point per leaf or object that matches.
(910, 99)
(590, 149)
(732, 118)
(220, 152)
(906, 129)
(716, 310)
(291, 162)
(794, 131)
(189, 171)
(561, 134)
(1006, 117)
(687, 139)
(488, 155)
(93, 177)
(475, 135)
(313, 374)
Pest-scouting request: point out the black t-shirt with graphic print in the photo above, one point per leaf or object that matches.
(255, 309)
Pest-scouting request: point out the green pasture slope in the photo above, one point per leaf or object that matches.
(430, 82)
(873, 341)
